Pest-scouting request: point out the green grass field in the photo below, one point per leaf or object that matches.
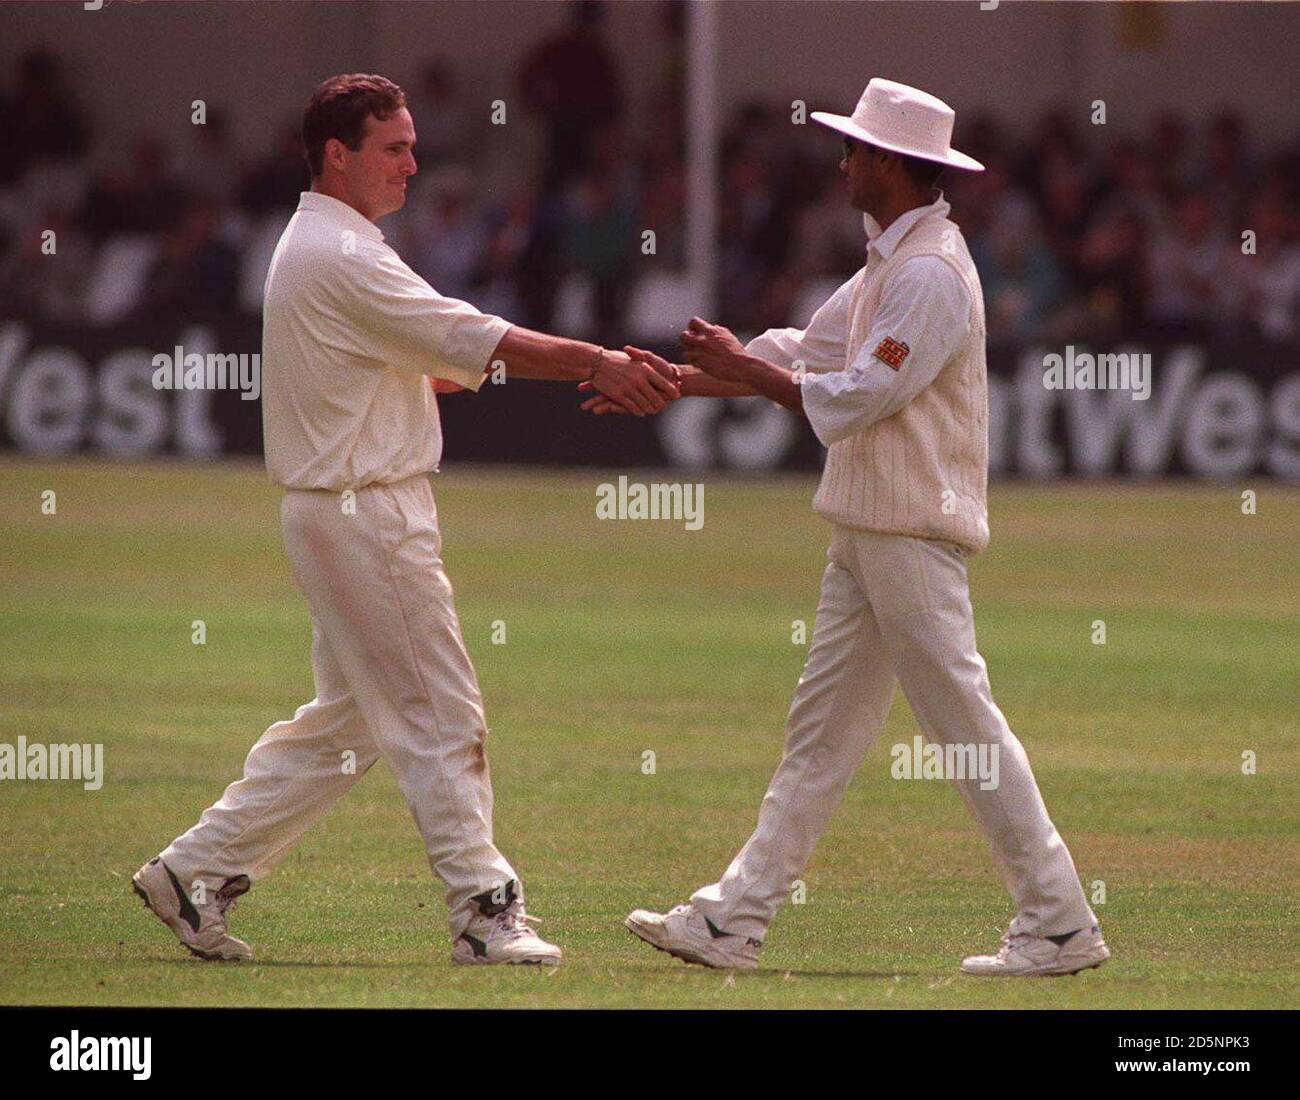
(629, 636)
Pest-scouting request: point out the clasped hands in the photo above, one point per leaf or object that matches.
(640, 383)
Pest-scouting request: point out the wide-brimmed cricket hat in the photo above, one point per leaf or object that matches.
(904, 120)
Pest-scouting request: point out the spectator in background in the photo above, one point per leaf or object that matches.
(663, 206)
(46, 122)
(446, 237)
(508, 224)
(143, 200)
(42, 287)
(1070, 241)
(1227, 173)
(1112, 256)
(828, 235)
(1134, 187)
(1195, 277)
(439, 118)
(211, 165)
(11, 164)
(1171, 152)
(747, 220)
(985, 137)
(599, 235)
(1272, 275)
(157, 195)
(1053, 146)
(1021, 279)
(1112, 270)
(276, 183)
(672, 61)
(663, 145)
(195, 274)
(46, 133)
(570, 83)
(1065, 206)
(765, 184)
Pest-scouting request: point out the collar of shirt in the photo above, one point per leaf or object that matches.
(885, 243)
(339, 212)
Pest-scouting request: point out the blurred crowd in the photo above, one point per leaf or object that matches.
(1077, 235)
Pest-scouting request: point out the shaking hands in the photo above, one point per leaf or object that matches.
(604, 401)
(712, 349)
(631, 381)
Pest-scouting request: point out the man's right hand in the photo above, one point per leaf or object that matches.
(635, 385)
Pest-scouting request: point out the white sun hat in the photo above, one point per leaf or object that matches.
(904, 120)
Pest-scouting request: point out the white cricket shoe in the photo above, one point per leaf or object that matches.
(504, 937)
(687, 934)
(200, 928)
(1025, 956)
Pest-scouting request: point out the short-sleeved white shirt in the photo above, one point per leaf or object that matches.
(350, 336)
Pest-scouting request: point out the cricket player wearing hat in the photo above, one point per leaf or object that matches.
(350, 335)
(893, 382)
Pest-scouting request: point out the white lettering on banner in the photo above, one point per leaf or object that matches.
(1097, 422)
(49, 402)
(134, 420)
(53, 401)
(1224, 427)
(1036, 454)
(1208, 422)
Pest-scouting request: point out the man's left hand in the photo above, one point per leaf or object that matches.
(715, 350)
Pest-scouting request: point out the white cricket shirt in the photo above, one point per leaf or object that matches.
(926, 306)
(350, 335)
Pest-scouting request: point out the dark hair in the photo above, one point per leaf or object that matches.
(924, 173)
(339, 109)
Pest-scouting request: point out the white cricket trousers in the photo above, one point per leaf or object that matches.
(895, 607)
(392, 680)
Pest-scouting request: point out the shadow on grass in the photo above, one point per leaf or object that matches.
(840, 973)
(767, 973)
(237, 965)
(338, 964)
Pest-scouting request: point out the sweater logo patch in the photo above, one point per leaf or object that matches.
(892, 352)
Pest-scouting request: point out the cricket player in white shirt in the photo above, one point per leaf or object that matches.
(351, 339)
(893, 382)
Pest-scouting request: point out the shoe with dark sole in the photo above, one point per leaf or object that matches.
(201, 928)
(504, 938)
(1025, 956)
(687, 934)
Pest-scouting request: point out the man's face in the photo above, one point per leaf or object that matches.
(857, 165)
(375, 175)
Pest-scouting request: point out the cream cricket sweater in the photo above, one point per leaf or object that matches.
(924, 470)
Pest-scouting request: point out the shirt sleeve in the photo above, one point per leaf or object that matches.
(820, 346)
(396, 317)
(923, 316)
